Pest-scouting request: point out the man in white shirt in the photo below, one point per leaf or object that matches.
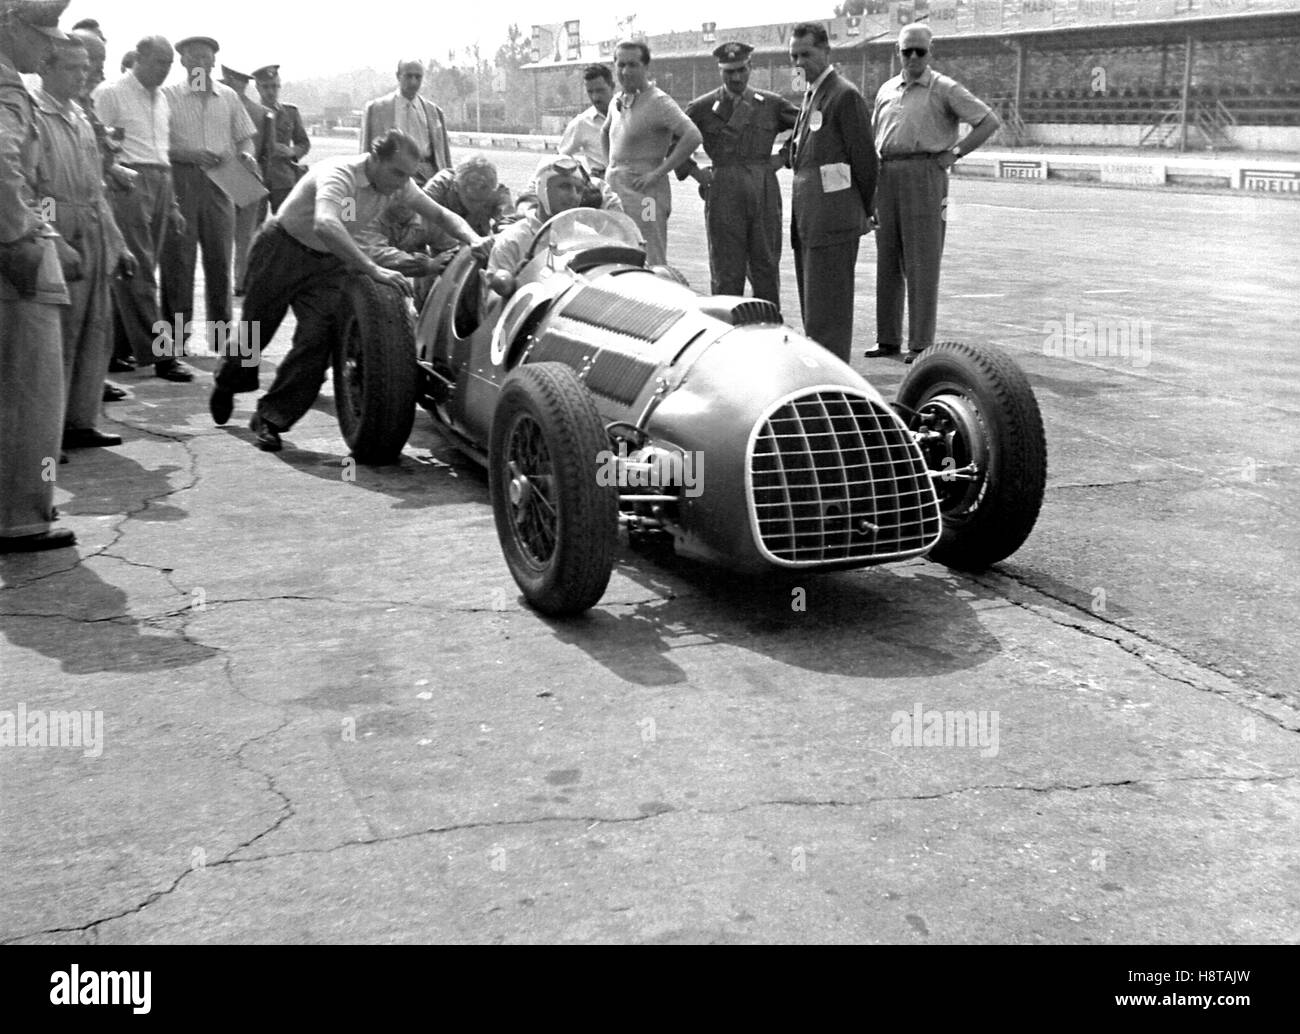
(209, 126)
(136, 105)
(418, 118)
(300, 259)
(584, 136)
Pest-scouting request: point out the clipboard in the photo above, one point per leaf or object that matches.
(240, 185)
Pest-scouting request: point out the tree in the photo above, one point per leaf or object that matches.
(850, 8)
(516, 51)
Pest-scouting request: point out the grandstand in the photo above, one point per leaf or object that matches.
(1217, 74)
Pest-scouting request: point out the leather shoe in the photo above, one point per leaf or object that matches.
(37, 543)
(268, 435)
(881, 352)
(912, 355)
(220, 404)
(112, 393)
(122, 365)
(173, 370)
(89, 438)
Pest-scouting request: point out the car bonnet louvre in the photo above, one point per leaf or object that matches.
(635, 317)
(619, 377)
(606, 371)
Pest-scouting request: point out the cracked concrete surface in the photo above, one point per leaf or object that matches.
(329, 717)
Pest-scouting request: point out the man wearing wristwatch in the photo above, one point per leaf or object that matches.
(915, 125)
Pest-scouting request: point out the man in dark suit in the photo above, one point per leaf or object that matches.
(834, 162)
(418, 118)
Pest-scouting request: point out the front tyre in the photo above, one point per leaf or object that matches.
(376, 378)
(556, 523)
(981, 426)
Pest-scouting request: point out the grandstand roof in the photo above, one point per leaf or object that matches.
(1148, 20)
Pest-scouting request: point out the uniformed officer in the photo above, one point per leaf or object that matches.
(32, 291)
(286, 141)
(742, 211)
(249, 217)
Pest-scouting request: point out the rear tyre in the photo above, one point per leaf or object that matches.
(988, 432)
(557, 525)
(376, 378)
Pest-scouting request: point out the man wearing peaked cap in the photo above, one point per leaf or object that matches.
(235, 80)
(284, 139)
(32, 292)
(249, 217)
(732, 55)
(742, 202)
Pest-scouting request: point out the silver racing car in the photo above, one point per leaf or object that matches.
(599, 393)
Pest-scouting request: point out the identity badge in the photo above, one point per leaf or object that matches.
(815, 121)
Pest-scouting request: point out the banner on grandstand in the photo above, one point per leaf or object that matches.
(1159, 10)
(907, 11)
(574, 33)
(943, 17)
(1022, 169)
(1212, 7)
(988, 15)
(1036, 13)
(1097, 11)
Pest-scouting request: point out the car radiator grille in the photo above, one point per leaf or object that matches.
(836, 477)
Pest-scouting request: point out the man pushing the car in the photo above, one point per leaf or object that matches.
(301, 258)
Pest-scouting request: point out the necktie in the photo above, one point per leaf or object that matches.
(802, 121)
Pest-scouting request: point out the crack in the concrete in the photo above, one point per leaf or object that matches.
(1134, 648)
(288, 811)
(119, 526)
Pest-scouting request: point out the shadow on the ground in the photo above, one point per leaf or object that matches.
(872, 624)
(103, 640)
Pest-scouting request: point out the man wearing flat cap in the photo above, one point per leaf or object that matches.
(32, 292)
(285, 141)
(742, 202)
(208, 128)
(248, 217)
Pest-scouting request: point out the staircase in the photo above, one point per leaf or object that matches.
(1206, 117)
(1012, 132)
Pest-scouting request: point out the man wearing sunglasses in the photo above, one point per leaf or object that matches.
(915, 124)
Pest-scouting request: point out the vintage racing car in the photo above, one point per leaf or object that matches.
(598, 392)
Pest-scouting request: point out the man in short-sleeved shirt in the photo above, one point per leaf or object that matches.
(648, 136)
(300, 259)
(144, 209)
(209, 126)
(915, 125)
(584, 137)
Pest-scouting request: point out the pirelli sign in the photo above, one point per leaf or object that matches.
(1271, 180)
(1022, 169)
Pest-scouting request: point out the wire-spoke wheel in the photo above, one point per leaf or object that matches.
(557, 525)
